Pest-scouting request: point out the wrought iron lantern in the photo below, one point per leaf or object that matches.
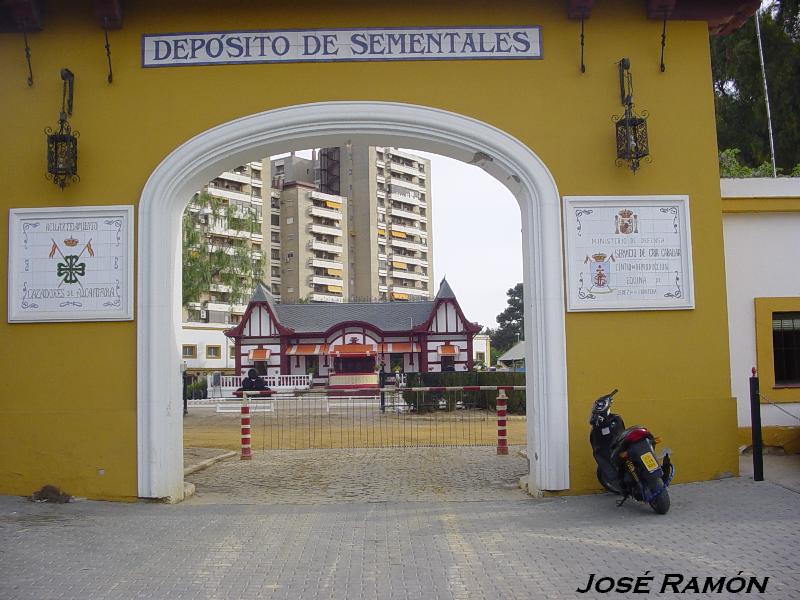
(631, 128)
(62, 145)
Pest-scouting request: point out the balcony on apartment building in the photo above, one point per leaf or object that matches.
(402, 168)
(326, 197)
(408, 245)
(241, 178)
(220, 227)
(394, 233)
(327, 281)
(409, 275)
(318, 297)
(409, 230)
(408, 199)
(390, 152)
(405, 258)
(244, 197)
(320, 229)
(325, 264)
(402, 183)
(421, 291)
(406, 214)
(229, 250)
(218, 306)
(325, 212)
(325, 246)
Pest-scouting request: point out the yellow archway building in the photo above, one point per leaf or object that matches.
(83, 404)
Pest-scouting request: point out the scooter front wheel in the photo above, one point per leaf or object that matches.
(660, 503)
(605, 483)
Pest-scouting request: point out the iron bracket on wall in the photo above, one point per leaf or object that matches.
(108, 50)
(583, 65)
(27, 54)
(109, 15)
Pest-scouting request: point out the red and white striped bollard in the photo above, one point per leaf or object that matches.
(246, 453)
(502, 434)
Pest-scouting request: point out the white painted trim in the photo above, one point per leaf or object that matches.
(760, 187)
(190, 166)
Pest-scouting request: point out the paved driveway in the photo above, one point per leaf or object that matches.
(363, 474)
(509, 546)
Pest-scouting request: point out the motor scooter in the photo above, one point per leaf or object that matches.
(626, 459)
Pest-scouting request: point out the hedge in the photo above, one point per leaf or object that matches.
(482, 399)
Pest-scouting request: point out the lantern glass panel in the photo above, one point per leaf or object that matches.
(632, 138)
(62, 154)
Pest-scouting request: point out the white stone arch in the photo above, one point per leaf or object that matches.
(194, 163)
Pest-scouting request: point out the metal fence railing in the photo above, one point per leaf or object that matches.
(391, 418)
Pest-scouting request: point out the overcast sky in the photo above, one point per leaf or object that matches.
(477, 237)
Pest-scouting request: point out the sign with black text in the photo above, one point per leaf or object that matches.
(334, 45)
(628, 253)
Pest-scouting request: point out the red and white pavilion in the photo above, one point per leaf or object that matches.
(345, 344)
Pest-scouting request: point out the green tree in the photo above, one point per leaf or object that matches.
(510, 322)
(234, 264)
(739, 91)
(729, 166)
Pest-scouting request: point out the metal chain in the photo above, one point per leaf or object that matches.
(780, 408)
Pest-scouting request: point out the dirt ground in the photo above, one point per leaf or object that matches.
(205, 428)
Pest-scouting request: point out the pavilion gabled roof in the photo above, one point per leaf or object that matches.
(319, 317)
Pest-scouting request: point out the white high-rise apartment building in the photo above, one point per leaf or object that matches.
(390, 241)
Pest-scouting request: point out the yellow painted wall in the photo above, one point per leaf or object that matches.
(68, 404)
(787, 438)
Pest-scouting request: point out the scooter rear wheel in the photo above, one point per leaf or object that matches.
(660, 503)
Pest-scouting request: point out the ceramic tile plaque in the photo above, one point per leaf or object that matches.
(70, 264)
(522, 42)
(628, 253)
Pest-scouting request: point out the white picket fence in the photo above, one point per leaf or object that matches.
(229, 383)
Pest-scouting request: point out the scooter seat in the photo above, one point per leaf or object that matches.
(621, 440)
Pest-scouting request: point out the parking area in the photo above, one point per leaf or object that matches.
(509, 547)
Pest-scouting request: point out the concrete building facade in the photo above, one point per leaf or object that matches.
(313, 244)
(391, 241)
(761, 220)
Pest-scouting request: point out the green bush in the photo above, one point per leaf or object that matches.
(198, 389)
(482, 399)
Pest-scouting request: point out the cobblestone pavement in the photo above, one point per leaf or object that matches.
(508, 547)
(362, 475)
(396, 524)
